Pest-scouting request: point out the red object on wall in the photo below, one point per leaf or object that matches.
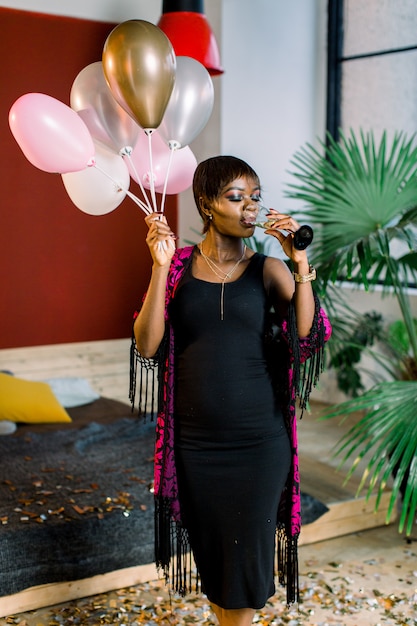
(186, 26)
(65, 276)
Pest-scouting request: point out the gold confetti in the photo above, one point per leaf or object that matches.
(322, 604)
(81, 510)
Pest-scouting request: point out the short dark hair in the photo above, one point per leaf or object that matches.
(211, 177)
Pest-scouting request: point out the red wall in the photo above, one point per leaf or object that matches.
(65, 276)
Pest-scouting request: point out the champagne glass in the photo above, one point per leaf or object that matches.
(261, 218)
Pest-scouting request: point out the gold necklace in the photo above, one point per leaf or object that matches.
(221, 274)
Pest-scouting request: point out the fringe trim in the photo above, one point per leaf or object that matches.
(173, 555)
(287, 565)
(143, 374)
(306, 374)
(132, 373)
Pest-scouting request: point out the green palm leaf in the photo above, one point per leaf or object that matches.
(353, 190)
(361, 197)
(387, 436)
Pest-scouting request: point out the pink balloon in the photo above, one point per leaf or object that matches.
(180, 173)
(50, 134)
(139, 163)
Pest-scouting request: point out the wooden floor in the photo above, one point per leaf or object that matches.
(105, 364)
(321, 477)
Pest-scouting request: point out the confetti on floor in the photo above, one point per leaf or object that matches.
(367, 579)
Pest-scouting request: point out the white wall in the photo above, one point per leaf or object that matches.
(273, 93)
(271, 98)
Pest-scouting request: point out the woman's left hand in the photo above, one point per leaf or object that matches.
(286, 223)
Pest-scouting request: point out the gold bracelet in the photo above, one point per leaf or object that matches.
(305, 278)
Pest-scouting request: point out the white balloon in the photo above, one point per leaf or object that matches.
(101, 189)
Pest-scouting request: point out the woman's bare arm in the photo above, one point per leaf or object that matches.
(280, 281)
(149, 326)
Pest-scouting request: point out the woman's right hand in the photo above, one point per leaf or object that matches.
(160, 239)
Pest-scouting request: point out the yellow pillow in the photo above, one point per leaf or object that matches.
(29, 402)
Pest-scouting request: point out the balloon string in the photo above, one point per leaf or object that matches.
(145, 195)
(141, 204)
(164, 192)
(152, 181)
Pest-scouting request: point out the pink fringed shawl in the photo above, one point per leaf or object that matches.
(287, 354)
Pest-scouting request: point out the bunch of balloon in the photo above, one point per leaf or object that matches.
(131, 115)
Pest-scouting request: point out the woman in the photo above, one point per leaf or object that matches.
(226, 472)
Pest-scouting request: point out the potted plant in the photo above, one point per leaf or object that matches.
(361, 196)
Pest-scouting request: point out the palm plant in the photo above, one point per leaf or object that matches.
(361, 196)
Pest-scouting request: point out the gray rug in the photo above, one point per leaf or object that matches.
(76, 502)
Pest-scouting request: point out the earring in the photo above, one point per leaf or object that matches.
(210, 216)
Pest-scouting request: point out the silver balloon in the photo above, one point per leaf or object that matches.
(106, 120)
(190, 105)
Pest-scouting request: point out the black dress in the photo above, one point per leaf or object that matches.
(232, 448)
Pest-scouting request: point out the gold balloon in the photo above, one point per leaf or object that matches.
(139, 64)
